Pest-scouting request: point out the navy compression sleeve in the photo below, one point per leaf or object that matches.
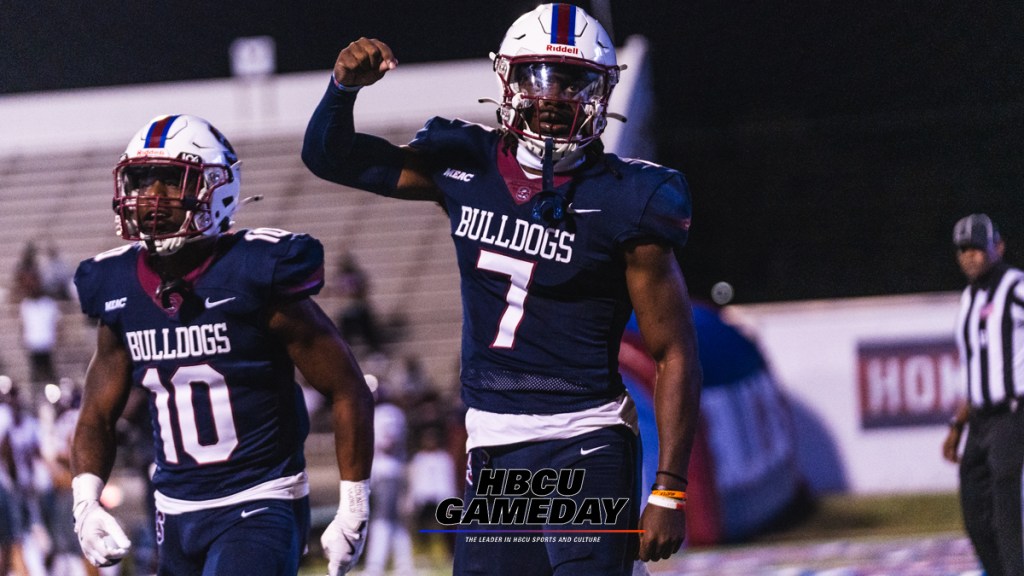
(334, 151)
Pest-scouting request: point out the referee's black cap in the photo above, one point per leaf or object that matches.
(975, 231)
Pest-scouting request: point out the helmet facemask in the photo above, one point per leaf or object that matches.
(556, 69)
(560, 99)
(167, 202)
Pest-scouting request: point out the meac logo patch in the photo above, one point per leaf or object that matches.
(115, 304)
(458, 175)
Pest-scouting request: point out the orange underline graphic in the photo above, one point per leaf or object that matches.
(475, 531)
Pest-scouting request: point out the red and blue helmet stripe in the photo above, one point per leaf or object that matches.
(563, 24)
(156, 137)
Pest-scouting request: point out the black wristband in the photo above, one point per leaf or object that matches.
(672, 475)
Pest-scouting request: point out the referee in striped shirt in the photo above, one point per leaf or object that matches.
(990, 338)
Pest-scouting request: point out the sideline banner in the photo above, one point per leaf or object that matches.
(912, 382)
(871, 381)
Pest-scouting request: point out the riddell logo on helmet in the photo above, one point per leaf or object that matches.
(563, 49)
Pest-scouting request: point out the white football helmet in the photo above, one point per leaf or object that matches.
(559, 55)
(178, 180)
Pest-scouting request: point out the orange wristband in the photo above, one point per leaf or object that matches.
(675, 494)
(663, 502)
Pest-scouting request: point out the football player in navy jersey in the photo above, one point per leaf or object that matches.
(557, 243)
(213, 325)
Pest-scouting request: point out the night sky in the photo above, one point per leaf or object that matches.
(830, 146)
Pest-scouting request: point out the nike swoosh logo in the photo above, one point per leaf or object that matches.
(216, 303)
(575, 210)
(247, 513)
(585, 451)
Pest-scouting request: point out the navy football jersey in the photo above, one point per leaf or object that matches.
(544, 305)
(226, 411)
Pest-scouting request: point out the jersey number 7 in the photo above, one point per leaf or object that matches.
(520, 272)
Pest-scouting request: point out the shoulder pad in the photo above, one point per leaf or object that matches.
(95, 278)
(444, 136)
(668, 212)
(290, 266)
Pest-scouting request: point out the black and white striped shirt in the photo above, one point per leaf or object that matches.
(990, 337)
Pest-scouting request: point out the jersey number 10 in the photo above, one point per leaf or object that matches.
(183, 382)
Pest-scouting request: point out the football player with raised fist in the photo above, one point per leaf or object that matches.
(558, 242)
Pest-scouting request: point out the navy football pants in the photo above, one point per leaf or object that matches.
(258, 538)
(610, 458)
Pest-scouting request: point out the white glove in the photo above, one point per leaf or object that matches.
(103, 541)
(345, 536)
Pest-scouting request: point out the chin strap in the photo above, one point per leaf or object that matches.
(549, 206)
(548, 173)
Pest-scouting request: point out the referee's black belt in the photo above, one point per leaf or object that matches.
(997, 408)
